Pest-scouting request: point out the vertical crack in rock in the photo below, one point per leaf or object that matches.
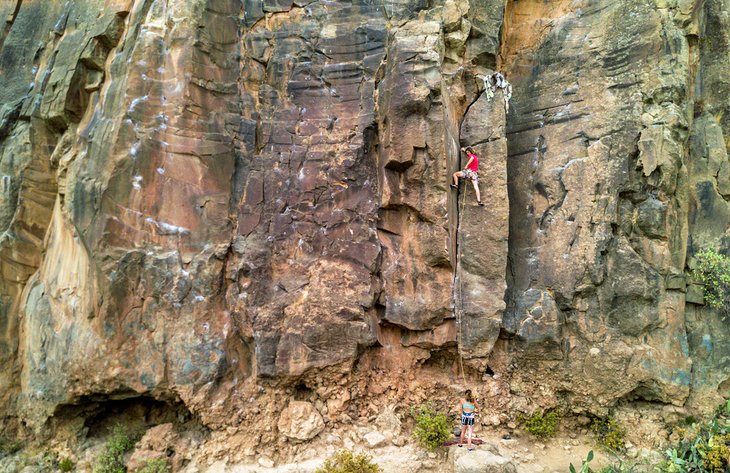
(243, 206)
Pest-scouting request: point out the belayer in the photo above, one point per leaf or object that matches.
(471, 172)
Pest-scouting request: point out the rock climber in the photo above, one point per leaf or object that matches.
(471, 172)
(468, 407)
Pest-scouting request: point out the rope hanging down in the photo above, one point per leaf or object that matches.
(458, 291)
(491, 83)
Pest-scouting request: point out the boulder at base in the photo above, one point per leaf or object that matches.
(300, 420)
(479, 460)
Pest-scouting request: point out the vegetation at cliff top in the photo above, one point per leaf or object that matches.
(703, 447)
(345, 461)
(112, 459)
(542, 426)
(432, 427)
(712, 270)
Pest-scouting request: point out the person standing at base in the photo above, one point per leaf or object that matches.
(471, 172)
(468, 407)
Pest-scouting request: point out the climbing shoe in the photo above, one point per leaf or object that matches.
(480, 204)
(453, 186)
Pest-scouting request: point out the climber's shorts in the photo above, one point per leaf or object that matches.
(467, 418)
(469, 174)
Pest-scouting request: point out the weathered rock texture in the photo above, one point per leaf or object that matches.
(231, 204)
(617, 167)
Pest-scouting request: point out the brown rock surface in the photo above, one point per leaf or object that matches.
(238, 205)
(300, 421)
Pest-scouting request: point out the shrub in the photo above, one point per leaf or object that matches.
(703, 448)
(609, 434)
(157, 465)
(542, 426)
(716, 455)
(345, 461)
(432, 428)
(112, 459)
(66, 465)
(712, 270)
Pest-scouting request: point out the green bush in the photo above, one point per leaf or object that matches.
(712, 270)
(112, 459)
(345, 461)
(158, 465)
(66, 465)
(704, 448)
(542, 426)
(432, 428)
(609, 434)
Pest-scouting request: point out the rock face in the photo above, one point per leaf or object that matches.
(605, 178)
(300, 421)
(231, 204)
(485, 459)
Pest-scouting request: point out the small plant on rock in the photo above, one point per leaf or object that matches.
(66, 465)
(619, 466)
(541, 425)
(585, 466)
(157, 465)
(717, 453)
(345, 461)
(704, 447)
(432, 428)
(712, 270)
(8, 445)
(609, 434)
(112, 459)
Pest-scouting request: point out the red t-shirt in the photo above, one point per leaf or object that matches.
(474, 166)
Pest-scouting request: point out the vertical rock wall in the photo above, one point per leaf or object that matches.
(608, 185)
(231, 203)
(203, 196)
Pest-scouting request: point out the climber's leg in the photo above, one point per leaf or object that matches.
(456, 177)
(475, 182)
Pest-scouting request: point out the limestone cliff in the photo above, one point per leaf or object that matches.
(213, 207)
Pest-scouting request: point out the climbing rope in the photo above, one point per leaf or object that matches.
(459, 300)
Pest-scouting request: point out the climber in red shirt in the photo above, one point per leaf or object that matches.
(470, 172)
